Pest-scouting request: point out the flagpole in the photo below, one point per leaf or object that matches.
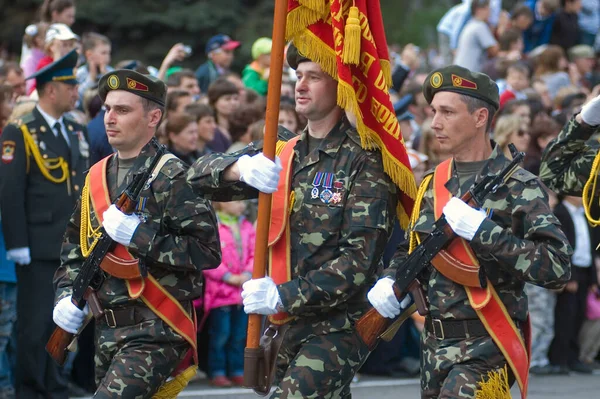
(252, 351)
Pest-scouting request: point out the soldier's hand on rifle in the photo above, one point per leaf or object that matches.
(590, 113)
(20, 256)
(383, 298)
(260, 172)
(68, 316)
(260, 296)
(463, 219)
(119, 226)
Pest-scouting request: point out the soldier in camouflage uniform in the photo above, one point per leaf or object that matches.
(518, 241)
(173, 232)
(336, 246)
(567, 161)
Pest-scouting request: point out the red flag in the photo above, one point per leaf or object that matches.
(346, 38)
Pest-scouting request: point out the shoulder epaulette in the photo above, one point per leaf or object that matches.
(26, 119)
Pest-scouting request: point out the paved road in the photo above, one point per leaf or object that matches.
(575, 386)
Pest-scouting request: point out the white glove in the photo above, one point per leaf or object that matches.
(260, 296)
(20, 256)
(260, 172)
(68, 316)
(463, 219)
(590, 113)
(119, 226)
(383, 298)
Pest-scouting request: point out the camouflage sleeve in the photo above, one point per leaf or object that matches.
(206, 174)
(533, 248)
(567, 160)
(71, 258)
(188, 238)
(367, 223)
(206, 177)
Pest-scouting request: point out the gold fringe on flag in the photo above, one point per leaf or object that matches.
(495, 387)
(320, 6)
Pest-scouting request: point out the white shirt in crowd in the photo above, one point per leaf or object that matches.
(582, 253)
(474, 40)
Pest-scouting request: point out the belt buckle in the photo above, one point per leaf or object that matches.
(440, 335)
(109, 316)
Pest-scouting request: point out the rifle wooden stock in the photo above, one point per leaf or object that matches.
(372, 324)
(57, 345)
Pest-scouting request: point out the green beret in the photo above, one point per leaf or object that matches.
(462, 81)
(294, 57)
(146, 86)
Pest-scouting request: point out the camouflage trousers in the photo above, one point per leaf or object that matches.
(134, 361)
(453, 368)
(541, 302)
(318, 366)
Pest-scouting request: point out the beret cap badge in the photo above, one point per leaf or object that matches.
(113, 82)
(436, 80)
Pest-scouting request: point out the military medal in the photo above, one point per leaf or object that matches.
(141, 205)
(337, 196)
(314, 193)
(42, 146)
(326, 194)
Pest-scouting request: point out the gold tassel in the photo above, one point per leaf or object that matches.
(496, 386)
(172, 388)
(351, 54)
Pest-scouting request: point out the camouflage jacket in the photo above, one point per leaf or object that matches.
(337, 247)
(567, 160)
(177, 239)
(520, 242)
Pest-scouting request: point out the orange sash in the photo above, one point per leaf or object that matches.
(485, 301)
(280, 269)
(148, 289)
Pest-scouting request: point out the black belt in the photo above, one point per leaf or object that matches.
(442, 329)
(129, 316)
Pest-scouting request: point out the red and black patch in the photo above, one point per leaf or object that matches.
(135, 85)
(8, 151)
(458, 81)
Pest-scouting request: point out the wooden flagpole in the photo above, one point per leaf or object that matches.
(251, 353)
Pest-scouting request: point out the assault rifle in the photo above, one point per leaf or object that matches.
(372, 325)
(91, 277)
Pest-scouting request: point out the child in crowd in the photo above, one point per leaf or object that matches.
(589, 335)
(288, 117)
(205, 118)
(517, 80)
(256, 75)
(222, 299)
(33, 50)
(96, 49)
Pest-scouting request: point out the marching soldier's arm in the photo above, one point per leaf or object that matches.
(366, 227)
(188, 238)
(567, 160)
(13, 186)
(534, 249)
(209, 175)
(71, 258)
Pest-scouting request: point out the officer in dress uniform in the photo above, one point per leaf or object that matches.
(44, 158)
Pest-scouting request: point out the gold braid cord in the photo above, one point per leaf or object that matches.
(86, 231)
(48, 165)
(413, 238)
(588, 191)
